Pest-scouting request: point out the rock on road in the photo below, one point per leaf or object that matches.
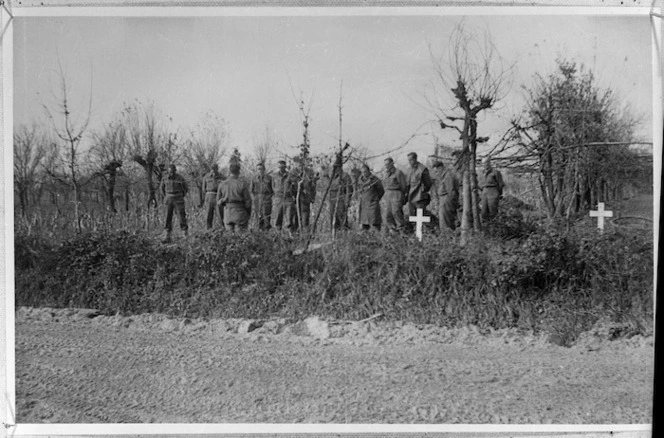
(72, 368)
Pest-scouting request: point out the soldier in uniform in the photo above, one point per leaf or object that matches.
(492, 191)
(262, 192)
(396, 188)
(419, 184)
(174, 188)
(446, 190)
(234, 196)
(283, 207)
(340, 195)
(210, 186)
(304, 185)
(371, 191)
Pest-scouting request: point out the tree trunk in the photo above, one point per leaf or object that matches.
(466, 217)
(22, 196)
(111, 190)
(152, 191)
(77, 203)
(201, 194)
(477, 224)
(547, 172)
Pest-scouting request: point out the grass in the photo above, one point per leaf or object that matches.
(518, 273)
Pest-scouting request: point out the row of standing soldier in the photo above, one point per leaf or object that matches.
(287, 196)
(415, 188)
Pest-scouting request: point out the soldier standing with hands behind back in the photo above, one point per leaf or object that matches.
(210, 186)
(283, 208)
(174, 188)
(371, 191)
(304, 187)
(261, 190)
(234, 196)
(446, 189)
(492, 191)
(419, 184)
(396, 188)
(340, 196)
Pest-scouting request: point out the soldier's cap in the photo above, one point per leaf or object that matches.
(281, 162)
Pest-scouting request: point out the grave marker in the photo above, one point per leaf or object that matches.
(419, 220)
(600, 214)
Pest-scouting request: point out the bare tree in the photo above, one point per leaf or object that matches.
(30, 146)
(69, 128)
(330, 170)
(151, 145)
(108, 153)
(206, 144)
(304, 175)
(264, 144)
(477, 79)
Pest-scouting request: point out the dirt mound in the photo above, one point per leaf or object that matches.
(603, 334)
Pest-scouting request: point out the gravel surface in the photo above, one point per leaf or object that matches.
(73, 366)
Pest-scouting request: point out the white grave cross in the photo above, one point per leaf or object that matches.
(419, 220)
(600, 214)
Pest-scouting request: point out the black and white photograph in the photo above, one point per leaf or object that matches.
(411, 217)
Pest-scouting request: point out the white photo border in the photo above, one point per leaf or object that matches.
(7, 333)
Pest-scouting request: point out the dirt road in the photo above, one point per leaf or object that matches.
(71, 368)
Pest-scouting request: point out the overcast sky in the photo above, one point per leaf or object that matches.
(243, 68)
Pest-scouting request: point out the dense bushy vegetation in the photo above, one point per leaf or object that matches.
(542, 278)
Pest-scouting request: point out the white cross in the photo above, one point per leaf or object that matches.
(419, 220)
(600, 214)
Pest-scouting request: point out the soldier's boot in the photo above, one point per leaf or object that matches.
(167, 238)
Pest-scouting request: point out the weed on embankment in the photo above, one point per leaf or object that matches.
(543, 279)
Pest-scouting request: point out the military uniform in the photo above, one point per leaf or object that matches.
(396, 187)
(371, 191)
(491, 193)
(283, 208)
(211, 186)
(234, 196)
(262, 192)
(419, 184)
(446, 189)
(340, 195)
(305, 198)
(174, 188)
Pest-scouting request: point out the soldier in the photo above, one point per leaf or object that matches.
(210, 186)
(174, 188)
(234, 196)
(283, 208)
(419, 184)
(396, 187)
(262, 192)
(340, 195)
(304, 185)
(446, 190)
(492, 191)
(371, 191)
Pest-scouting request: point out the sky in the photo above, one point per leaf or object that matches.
(250, 70)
